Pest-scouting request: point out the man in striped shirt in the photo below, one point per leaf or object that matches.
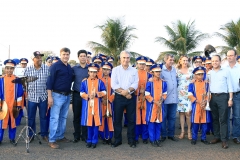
(37, 95)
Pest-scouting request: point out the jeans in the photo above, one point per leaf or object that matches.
(236, 116)
(32, 109)
(169, 118)
(58, 116)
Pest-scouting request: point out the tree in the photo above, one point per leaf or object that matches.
(46, 54)
(72, 62)
(183, 39)
(230, 35)
(115, 37)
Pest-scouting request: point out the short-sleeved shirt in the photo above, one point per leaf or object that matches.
(79, 74)
(171, 78)
(37, 90)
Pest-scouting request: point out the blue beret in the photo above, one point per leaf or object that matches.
(197, 57)
(198, 68)
(106, 65)
(89, 53)
(203, 59)
(238, 57)
(24, 59)
(110, 58)
(93, 67)
(10, 62)
(150, 62)
(49, 57)
(102, 55)
(156, 66)
(55, 58)
(97, 58)
(17, 61)
(141, 59)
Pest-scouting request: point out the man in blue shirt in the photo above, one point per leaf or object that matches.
(80, 72)
(221, 89)
(59, 88)
(170, 104)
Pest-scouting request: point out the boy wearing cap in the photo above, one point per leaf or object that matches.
(197, 93)
(149, 63)
(89, 58)
(106, 129)
(110, 59)
(141, 127)
(98, 60)
(49, 61)
(197, 60)
(11, 95)
(23, 62)
(55, 59)
(156, 93)
(92, 90)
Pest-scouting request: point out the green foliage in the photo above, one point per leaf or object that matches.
(183, 39)
(230, 35)
(116, 37)
(46, 54)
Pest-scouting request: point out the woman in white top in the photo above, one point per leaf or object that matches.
(184, 76)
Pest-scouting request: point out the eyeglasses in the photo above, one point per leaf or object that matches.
(199, 74)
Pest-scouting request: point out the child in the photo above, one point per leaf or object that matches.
(156, 93)
(197, 93)
(106, 129)
(92, 89)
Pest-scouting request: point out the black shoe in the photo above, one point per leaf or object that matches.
(193, 142)
(205, 141)
(154, 144)
(163, 139)
(207, 133)
(173, 139)
(12, 141)
(109, 141)
(94, 145)
(115, 144)
(145, 141)
(132, 144)
(137, 141)
(104, 141)
(0, 142)
(158, 143)
(89, 145)
(76, 140)
(125, 125)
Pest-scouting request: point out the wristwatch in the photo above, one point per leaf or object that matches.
(230, 99)
(129, 91)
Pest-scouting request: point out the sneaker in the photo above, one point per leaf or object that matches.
(64, 140)
(53, 145)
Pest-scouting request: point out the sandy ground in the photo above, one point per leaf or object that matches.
(170, 150)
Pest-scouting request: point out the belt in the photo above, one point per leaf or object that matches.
(236, 92)
(218, 94)
(76, 91)
(62, 93)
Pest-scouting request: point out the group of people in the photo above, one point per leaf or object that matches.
(148, 95)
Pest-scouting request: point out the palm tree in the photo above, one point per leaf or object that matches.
(231, 35)
(183, 39)
(116, 37)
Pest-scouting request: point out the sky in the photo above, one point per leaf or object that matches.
(49, 25)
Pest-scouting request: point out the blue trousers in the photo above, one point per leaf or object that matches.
(169, 118)
(11, 131)
(125, 119)
(92, 134)
(106, 134)
(195, 129)
(142, 130)
(154, 130)
(44, 123)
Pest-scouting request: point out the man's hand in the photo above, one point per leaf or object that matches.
(124, 92)
(157, 103)
(91, 96)
(50, 101)
(230, 103)
(128, 96)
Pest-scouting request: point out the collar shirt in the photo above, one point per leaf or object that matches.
(80, 73)
(170, 77)
(36, 90)
(220, 81)
(124, 79)
(235, 76)
(60, 77)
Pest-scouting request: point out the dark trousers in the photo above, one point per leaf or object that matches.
(120, 102)
(219, 107)
(79, 131)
